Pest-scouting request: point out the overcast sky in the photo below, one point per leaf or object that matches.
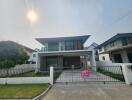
(99, 18)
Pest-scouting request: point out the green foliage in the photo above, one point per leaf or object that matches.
(113, 75)
(6, 64)
(11, 54)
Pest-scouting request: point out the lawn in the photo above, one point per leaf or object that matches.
(26, 91)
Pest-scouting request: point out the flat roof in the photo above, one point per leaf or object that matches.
(117, 36)
(66, 53)
(58, 39)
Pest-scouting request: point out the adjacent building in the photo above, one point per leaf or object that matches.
(117, 49)
(63, 52)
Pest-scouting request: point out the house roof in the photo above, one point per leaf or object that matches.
(93, 45)
(57, 39)
(117, 36)
(27, 48)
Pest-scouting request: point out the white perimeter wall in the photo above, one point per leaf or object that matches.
(25, 80)
(29, 80)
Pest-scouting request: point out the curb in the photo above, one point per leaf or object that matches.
(42, 94)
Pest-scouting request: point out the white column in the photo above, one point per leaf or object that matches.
(127, 72)
(37, 62)
(51, 75)
(60, 46)
(124, 57)
(93, 62)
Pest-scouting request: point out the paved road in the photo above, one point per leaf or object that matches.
(89, 92)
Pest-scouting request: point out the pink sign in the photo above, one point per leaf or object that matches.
(85, 73)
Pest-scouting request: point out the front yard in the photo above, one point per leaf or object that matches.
(25, 91)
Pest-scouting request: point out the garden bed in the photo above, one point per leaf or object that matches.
(113, 75)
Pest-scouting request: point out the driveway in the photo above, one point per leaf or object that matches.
(89, 92)
(77, 88)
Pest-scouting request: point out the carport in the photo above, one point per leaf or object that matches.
(63, 59)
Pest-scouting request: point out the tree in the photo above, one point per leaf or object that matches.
(11, 54)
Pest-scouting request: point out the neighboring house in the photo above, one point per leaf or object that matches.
(94, 52)
(62, 52)
(117, 49)
(31, 53)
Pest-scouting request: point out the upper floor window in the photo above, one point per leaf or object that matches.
(69, 45)
(73, 45)
(100, 49)
(34, 55)
(103, 58)
(124, 41)
(53, 46)
(112, 44)
(130, 40)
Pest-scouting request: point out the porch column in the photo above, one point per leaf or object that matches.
(37, 62)
(92, 59)
(124, 56)
(60, 61)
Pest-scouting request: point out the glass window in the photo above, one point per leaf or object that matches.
(124, 41)
(130, 40)
(103, 58)
(53, 46)
(69, 45)
(34, 55)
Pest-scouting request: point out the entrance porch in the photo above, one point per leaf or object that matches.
(63, 59)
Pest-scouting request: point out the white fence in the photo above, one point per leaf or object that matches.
(18, 69)
(126, 69)
(28, 80)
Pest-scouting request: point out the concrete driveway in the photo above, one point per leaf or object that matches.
(89, 89)
(89, 92)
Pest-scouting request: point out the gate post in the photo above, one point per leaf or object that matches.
(51, 75)
(127, 72)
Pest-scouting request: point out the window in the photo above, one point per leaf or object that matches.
(69, 45)
(130, 40)
(103, 58)
(112, 44)
(124, 41)
(53, 46)
(34, 55)
(100, 49)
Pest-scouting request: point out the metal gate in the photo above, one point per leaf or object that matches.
(101, 74)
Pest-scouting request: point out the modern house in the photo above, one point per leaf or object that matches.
(63, 52)
(117, 49)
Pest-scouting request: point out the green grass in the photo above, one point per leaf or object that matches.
(26, 91)
(113, 75)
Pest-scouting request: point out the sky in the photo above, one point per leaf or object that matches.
(101, 19)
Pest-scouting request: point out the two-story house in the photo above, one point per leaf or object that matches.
(62, 52)
(117, 49)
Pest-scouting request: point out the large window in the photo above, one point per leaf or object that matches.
(124, 41)
(53, 46)
(73, 45)
(69, 45)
